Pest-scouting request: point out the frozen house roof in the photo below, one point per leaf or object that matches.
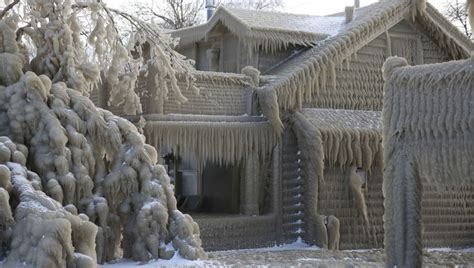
(219, 139)
(270, 29)
(301, 76)
(311, 72)
(430, 106)
(428, 139)
(340, 137)
(344, 119)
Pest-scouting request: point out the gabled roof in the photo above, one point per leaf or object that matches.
(332, 119)
(438, 97)
(339, 137)
(302, 75)
(428, 119)
(297, 79)
(271, 29)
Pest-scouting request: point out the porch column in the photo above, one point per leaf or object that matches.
(249, 186)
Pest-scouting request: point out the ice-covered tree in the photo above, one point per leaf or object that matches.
(457, 12)
(253, 4)
(170, 14)
(79, 185)
(177, 14)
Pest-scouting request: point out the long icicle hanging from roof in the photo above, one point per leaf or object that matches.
(430, 107)
(223, 143)
(304, 81)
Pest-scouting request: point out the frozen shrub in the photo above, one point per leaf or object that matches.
(76, 180)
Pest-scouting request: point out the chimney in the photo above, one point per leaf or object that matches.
(356, 3)
(210, 6)
(349, 13)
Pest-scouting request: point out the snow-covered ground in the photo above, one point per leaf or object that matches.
(176, 261)
(301, 255)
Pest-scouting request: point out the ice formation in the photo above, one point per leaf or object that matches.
(303, 80)
(330, 143)
(310, 142)
(355, 185)
(77, 183)
(228, 143)
(332, 226)
(268, 31)
(428, 137)
(470, 11)
(266, 98)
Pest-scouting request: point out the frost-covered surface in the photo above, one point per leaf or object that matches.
(221, 142)
(349, 137)
(78, 42)
(270, 30)
(428, 136)
(305, 256)
(78, 185)
(304, 76)
(339, 138)
(175, 261)
(344, 119)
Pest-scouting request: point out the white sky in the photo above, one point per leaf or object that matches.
(311, 7)
(326, 7)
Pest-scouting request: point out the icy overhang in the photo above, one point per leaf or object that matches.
(327, 119)
(268, 30)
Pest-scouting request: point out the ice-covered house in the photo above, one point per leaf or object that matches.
(428, 133)
(259, 156)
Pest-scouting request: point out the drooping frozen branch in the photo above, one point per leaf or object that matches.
(77, 182)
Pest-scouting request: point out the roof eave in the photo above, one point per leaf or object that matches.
(448, 29)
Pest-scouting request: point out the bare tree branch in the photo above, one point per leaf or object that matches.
(174, 14)
(7, 8)
(456, 12)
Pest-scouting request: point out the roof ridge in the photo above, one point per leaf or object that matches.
(273, 12)
(226, 10)
(262, 29)
(304, 75)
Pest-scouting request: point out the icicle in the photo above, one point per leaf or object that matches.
(417, 7)
(440, 117)
(389, 44)
(310, 142)
(332, 74)
(210, 140)
(470, 12)
(268, 102)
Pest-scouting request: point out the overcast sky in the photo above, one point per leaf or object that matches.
(311, 7)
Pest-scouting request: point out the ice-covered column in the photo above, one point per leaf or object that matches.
(276, 177)
(249, 186)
